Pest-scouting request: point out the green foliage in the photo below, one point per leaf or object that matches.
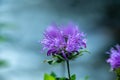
(57, 58)
(3, 63)
(73, 77)
(86, 77)
(117, 71)
(53, 76)
(3, 25)
(2, 39)
(62, 78)
(6, 25)
(77, 54)
(48, 77)
(118, 78)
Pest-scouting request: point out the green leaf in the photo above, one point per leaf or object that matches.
(2, 25)
(7, 25)
(62, 78)
(117, 71)
(2, 39)
(48, 77)
(53, 74)
(76, 54)
(86, 77)
(84, 51)
(59, 57)
(3, 63)
(56, 59)
(73, 77)
(52, 61)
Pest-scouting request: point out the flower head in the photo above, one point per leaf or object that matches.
(63, 40)
(114, 59)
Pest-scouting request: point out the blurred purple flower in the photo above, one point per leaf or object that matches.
(114, 59)
(63, 40)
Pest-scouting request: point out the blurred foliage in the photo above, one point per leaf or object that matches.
(86, 77)
(3, 38)
(3, 63)
(6, 25)
(117, 71)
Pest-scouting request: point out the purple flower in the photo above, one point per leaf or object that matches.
(114, 59)
(63, 40)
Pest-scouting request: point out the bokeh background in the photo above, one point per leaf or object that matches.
(22, 23)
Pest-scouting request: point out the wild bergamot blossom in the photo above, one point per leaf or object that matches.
(114, 59)
(63, 40)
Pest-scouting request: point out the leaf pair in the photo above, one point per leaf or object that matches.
(53, 76)
(58, 58)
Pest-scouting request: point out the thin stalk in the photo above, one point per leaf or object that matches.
(68, 69)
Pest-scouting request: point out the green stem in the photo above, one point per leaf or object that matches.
(68, 69)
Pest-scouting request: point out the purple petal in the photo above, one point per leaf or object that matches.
(64, 55)
(66, 39)
(51, 51)
(114, 59)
